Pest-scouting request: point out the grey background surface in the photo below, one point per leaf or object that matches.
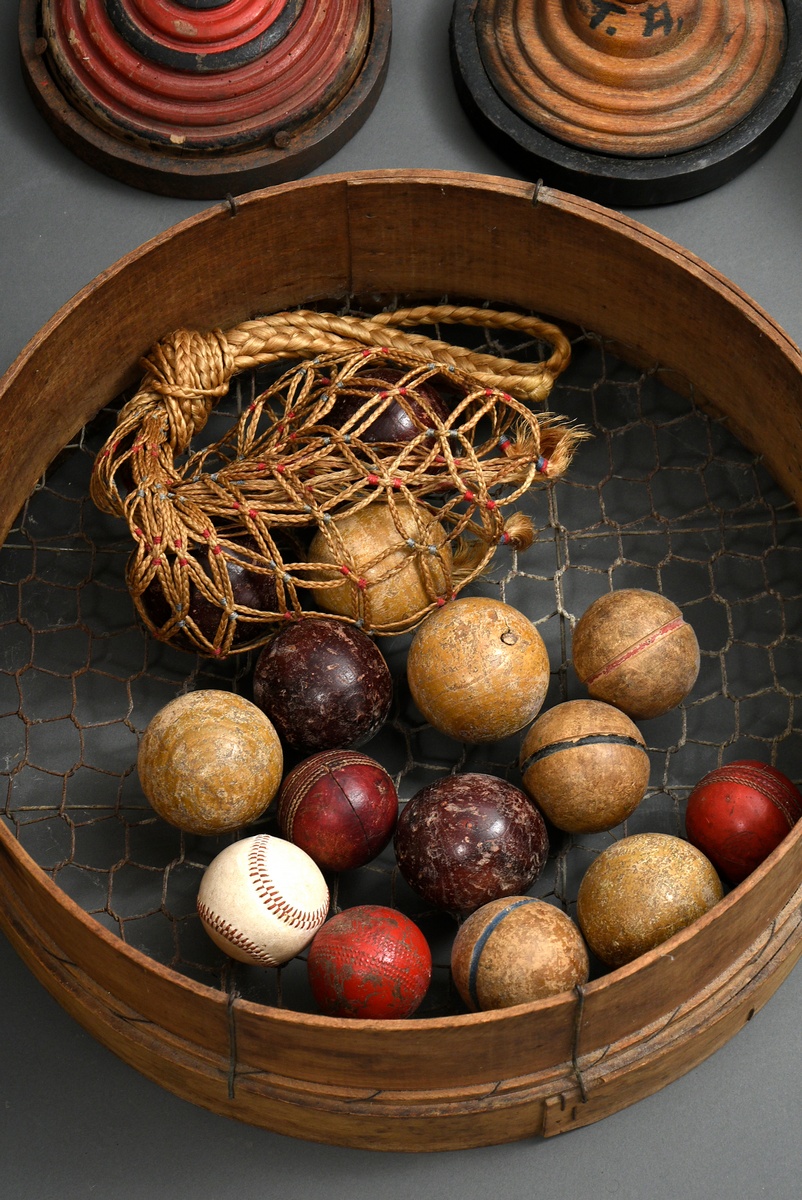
(75, 1121)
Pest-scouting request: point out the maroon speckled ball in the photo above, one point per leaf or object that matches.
(370, 962)
(737, 814)
(324, 684)
(394, 424)
(339, 806)
(468, 839)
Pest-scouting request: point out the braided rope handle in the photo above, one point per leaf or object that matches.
(283, 335)
(188, 372)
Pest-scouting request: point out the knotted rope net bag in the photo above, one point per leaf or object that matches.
(307, 505)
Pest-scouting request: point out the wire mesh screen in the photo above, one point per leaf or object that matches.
(661, 497)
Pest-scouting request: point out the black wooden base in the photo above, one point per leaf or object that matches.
(608, 179)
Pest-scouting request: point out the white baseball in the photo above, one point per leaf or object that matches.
(262, 900)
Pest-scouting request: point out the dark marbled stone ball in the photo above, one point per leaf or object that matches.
(468, 839)
(324, 684)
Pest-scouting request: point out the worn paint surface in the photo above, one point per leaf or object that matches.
(632, 648)
(478, 669)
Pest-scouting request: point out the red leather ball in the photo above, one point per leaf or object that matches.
(369, 962)
(468, 839)
(339, 806)
(324, 684)
(737, 814)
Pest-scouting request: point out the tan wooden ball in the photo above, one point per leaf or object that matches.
(397, 580)
(209, 762)
(633, 648)
(478, 669)
(516, 950)
(640, 891)
(585, 765)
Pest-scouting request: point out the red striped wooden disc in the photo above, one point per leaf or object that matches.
(205, 77)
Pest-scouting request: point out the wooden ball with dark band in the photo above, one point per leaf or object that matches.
(515, 950)
(633, 648)
(585, 765)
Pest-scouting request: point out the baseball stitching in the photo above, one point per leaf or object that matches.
(271, 897)
(233, 935)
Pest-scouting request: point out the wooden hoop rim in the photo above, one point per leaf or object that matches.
(436, 1083)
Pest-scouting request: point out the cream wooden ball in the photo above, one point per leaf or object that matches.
(397, 580)
(640, 891)
(478, 669)
(210, 762)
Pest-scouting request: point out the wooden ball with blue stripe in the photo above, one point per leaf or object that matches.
(516, 950)
(585, 765)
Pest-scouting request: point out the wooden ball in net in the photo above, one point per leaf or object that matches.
(388, 562)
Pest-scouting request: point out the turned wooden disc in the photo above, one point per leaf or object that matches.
(627, 102)
(190, 97)
(632, 78)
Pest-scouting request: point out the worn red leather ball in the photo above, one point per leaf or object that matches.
(399, 419)
(468, 839)
(339, 806)
(737, 814)
(370, 962)
(324, 684)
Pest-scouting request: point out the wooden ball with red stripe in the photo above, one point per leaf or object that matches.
(634, 649)
(738, 813)
(340, 806)
(369, 962)
(585, 765)
(515, 950)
